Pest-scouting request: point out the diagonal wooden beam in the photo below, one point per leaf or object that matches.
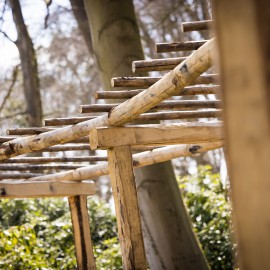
(183, 75)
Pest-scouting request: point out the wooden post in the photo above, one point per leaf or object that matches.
(81, 230)
(126, 206)
(245, 77)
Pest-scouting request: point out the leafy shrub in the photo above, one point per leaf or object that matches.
(37, 234)
(45, 240)
(209, 209)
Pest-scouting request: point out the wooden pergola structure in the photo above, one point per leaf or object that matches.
(155, 142)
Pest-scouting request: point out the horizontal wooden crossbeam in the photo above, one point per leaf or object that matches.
(148, 81)
(197, 26)
(27, 189)
(164, 134)
(145, 117)
(156, 64)
(179, 46)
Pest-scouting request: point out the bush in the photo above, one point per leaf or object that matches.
(37, 234)
(209, 209)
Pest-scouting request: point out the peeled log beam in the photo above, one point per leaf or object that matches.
(139, 160)
(197, 26)
(125, 94)
(156, 64)
(165, 105)
(55, 159)
(179, 46)
(183, 75)
(145, 117)
(27, 167)
(148, 81)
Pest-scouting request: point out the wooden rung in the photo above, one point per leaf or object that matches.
(165, 105)
(189, 90)
(179, 46)
(32, 168)
(67, 147)
(145, 117)
(148, 81)
(163, 134)
(4, 176)
(7, 138)
(35, 160)
(197, 25)
(24, 189)
(28, 131)
(156, 64)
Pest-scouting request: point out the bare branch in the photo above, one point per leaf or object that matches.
(2, 14)
(48, 3)
(6, 36)
(13, 115)
(14, 78)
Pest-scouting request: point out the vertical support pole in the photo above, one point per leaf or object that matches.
(81, 230)
(127, 210)
(244, 45)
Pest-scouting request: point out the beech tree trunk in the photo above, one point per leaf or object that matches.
(168, 236)
(29, 67)
(81, 17)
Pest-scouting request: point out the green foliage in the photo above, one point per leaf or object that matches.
(37, 234)
(108, 254)
(209, 208)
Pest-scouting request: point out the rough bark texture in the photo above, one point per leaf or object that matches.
(170, 242)
(246, 82)
(29, 67)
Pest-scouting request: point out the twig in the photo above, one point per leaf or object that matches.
(14, 78)
(6, 36)
(48, 3)
(12, 115)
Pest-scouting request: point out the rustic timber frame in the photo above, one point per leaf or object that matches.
(107, 132)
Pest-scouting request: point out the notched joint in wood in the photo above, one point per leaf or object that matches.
(193, 149)
(3, 192)
(183, 68)
(111, 110)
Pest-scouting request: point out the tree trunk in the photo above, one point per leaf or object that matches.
(29, 67)
(245, 77)
(169, 240)
(81, 17)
